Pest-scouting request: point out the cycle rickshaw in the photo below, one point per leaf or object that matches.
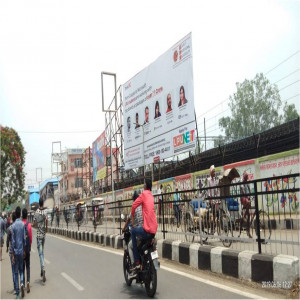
(218, 220)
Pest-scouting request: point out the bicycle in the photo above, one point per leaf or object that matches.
(264, 222)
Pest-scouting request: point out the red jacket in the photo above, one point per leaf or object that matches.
(29, 230)
(149, 215)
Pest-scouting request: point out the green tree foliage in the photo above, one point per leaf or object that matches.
(12, 167)
(290, 112)
(255, 107)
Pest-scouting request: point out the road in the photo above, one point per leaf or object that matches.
(89, 271)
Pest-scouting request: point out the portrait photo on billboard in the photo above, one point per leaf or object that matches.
(147, 115)
(137, 120)
(157, 113)
(182, 96)
(128, 124)
(169, 104)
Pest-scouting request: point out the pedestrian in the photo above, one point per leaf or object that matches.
(160, 199)
(9, 248)
(52, 215)
(176, 207)
(245, 200)
(41, 222)
(85, 214)
(28, 239)
(2, 232)
(18, 247)
(8, 223)
(57, 216)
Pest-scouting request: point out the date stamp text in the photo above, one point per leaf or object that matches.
(277, 284)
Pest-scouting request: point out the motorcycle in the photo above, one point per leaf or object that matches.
(149, 263)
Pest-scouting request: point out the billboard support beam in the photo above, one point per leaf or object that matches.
(110, 122)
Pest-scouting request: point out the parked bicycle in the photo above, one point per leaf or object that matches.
(264, 222)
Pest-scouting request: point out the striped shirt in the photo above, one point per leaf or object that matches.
(138, 216)
(40, 218)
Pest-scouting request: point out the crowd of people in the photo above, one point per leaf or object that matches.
(18, 233)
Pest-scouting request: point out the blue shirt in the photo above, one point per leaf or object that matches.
(176, 198)
(18, 237)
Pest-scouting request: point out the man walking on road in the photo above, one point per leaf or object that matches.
(18, 247)
(2, 232)
(9, 248)
(40, 221)
(28, 238)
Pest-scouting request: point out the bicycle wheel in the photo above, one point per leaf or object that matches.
(188, 227)
(264, 224)
(224, 229)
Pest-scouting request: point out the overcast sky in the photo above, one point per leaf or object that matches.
(53, 52)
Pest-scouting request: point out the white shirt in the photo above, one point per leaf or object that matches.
(159, 192)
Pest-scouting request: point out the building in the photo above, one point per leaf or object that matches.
(76, 172)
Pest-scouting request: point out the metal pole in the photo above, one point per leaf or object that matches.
(144, 156)
(111, 165)
(163, 215)
(257, 219)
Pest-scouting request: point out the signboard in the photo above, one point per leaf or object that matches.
(99, 157)
(158, 108)
(278, 165)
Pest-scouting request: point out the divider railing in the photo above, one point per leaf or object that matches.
(263, 219)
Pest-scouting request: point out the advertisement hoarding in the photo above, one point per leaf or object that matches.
(158, 108)
(99, 158)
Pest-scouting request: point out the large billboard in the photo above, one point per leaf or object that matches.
(99, 158)
(158, 108)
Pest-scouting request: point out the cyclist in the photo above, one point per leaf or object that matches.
(245, 190)
(214, 192)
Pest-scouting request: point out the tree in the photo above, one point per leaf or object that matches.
(12, 167)
(255, 107)
(290, 112)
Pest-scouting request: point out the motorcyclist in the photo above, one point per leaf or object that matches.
(149, 228)
(138, 221)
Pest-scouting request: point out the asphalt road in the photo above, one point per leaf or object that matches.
(86, 271)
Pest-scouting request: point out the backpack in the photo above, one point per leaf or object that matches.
(27, 239)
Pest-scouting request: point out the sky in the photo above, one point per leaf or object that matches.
(52, 54)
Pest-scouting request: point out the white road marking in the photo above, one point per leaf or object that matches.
(206, 281)
(32, 250)
(46, 261)
(217, 285)
(72, 281)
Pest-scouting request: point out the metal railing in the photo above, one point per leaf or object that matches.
(272, 225)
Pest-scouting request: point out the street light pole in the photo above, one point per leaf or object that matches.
(36, 177)
(144, 156)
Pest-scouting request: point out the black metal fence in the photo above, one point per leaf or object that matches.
(260, 215)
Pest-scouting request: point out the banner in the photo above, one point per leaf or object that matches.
(99, 158)
(158, 108)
